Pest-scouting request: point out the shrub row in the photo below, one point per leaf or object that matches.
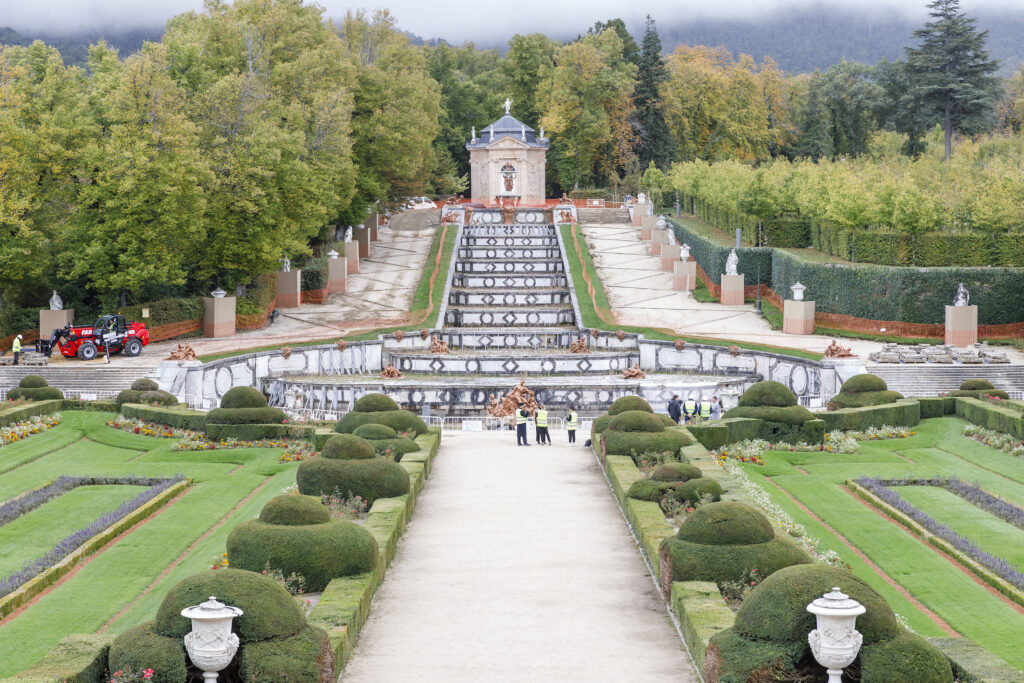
(245, 416)
(179, 418)
(40, 394)
(638, 443)
(246, 432)
(903, 413)
(17, 414)
(984, 414)
(166, 311)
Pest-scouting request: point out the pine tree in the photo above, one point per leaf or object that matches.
(954, 79)
(654, 140)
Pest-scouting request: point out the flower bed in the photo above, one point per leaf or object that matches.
(295, 450)
(750, 451)
(26, 428)
(998, 440)
(137, 426)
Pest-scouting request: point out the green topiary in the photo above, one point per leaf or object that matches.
(864, 382)
(777, 609)
(400, 420)
(144, 384)
(37, 394)
(650, 490)
(907, 658)
(696, 489)
(347, 447)
(375, 403)
(621, 405)
(638, 443)
(768, 393)
(245, 416)
(243, 397)
(727, 523)
(599, 425)
(269, 611)
(128, 396)
(666, 420)
(791, 415)
(395, 447)
(32, 382)
(302, 657)
(735, 659)
(317, 552)
(141, 648)
(375, 431)
(975, 385)
(371, 479)
(863, 399)
(686, 561)
(162, 397)
(676, 471)
(246, 432)
(293, 510)
(636, 421)
(974, 393)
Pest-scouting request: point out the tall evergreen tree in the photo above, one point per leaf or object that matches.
(654, 140)
(954, 79)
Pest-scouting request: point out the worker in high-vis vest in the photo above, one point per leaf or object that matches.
(572, 421)
(542, 425)
(16, 348)
(705, 409)
(521, 418)
(689, 409)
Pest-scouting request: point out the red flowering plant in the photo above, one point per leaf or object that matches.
(129, 675)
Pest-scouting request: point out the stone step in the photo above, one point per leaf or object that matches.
(532, 339)
(509, 267)
(928, 380)
(510, 280)
(512, 317)
(505, 253)
(508, 241)
(511, 298)
(76, 379)
(603, 216)
(509, 231)
(506, 363)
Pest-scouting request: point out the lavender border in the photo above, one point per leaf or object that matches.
(66, 546)
(1000, 566)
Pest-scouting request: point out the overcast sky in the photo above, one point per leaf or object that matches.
(438, 18)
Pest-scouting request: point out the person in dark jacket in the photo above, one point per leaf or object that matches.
(522, 416)
(675, 408)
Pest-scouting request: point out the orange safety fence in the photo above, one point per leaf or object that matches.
(604, 314)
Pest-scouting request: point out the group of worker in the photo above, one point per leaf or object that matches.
(540, 418)
(692, 410)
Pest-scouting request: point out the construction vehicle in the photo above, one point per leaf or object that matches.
(111, 334)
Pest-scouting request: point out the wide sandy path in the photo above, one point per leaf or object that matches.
(517, 566)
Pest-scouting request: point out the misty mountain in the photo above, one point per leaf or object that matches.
(75, 47)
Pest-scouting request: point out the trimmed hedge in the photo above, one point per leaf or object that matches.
(696, 490)
(398, 447)
(143, 648)
(299, 658)
(636, 421)
(166, 311)
(375, 431)
(78, 658)
(903, 413)
(172, 417)
(714, 435)
(935, 407)
(318, 552)
(727, 523)
(790, 415)
(144, 384)
(863, 382)
(243, 397)
(148, 396)
(292, 510)
(768, 393)
(975, 384)
(40, 394)
(599, 425)
(980, 393)
(253, 432)
(985, 414)
(638, 443)
(347, 447)
(37, 382)
(676, 471)
(270, 612)
(628, 403)
(245, 416)
(686, 561)
(375, 403)
(650, 490)
(9, 416)
(863, 399)
(399, 420)
(371, 479)
(907, 658)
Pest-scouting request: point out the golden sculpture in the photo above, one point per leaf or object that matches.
(734, 350)
(390, 372)
(399, 335)
(834, 350)
(620, 335)
(342, 344)
(510, 401)
(185, 352)
(634, 373)
(594, 333)
(286, 351)
(579, 346)
(680, 344)
(424, 333)
(438, 345)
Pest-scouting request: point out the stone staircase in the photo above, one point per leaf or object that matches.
(76, 379)
(923, 380)
(603, 216)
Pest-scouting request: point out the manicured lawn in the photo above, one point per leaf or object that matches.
(938, 448)
(129, 575)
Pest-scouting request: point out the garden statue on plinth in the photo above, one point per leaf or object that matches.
(962, 297)
(731, 263)
(286, 265)
(56, 303)
(834, 350)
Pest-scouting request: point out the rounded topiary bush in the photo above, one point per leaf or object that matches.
(375, 431)
(303, 657)
(144, 384)
(128, 396)
(626, 403)
(636, 421)
(35, 394)
(863, 399)
(863, 382)
(907, 658)
(292, 510)
(347, 447)
(243, 397)
(401, 421)
(790, 415)
(726, 523)
(245, 416)
(269, 611)
(768, 393)
(973, 393)
(156, 396)
(395, 447)
(371, 479)
(141, 648)
(317, 552)
(32, 382)
(600, 424)
(374, 403)
(975, 385)
(676, 471)
(695, 490)
(650, 490)
(637, 443)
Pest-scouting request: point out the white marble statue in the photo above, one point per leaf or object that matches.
(56, 303)
(541, 133)
(963, 297)
(508, 105)
(286, 265)
(731, 263)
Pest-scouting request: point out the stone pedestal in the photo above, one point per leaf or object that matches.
(648, 224)
(798, 317)
(219, 315)
(639, 211)
(361, 235)
(961, 325)
(337, 275)
(732, 290)
(374, 232)
(657, 240)
(289, 289)
(684, 276)
(669, 256)
(352, 256)
(52, 320)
